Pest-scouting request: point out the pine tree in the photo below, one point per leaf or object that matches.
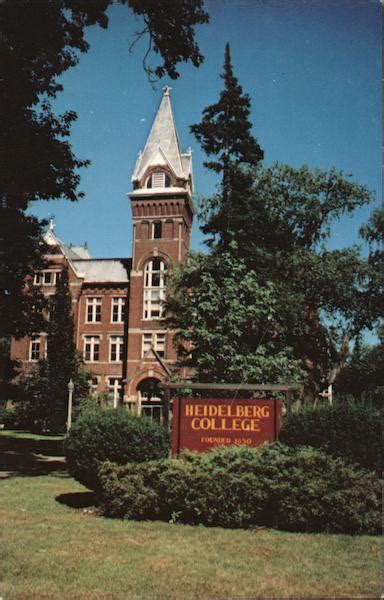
(62, 357)
(276, 222)
(225, 130)
(225, 134)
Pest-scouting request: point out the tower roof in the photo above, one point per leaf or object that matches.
(162, 147)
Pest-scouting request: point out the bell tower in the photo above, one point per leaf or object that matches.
(162, 213)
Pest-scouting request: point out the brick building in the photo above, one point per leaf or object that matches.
(117, 303)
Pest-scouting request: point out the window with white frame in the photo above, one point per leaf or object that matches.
(34, 348)
(91, 348)
(155, 340)
(93, 384)
(93, 310)
(114, 389)
(118, 310)
(116, 344)
(158, 179)
(46, 278)
(154, 288)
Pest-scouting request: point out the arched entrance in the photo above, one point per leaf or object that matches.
(150, 398)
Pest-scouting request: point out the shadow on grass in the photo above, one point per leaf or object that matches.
(29, 457)
(78, 499)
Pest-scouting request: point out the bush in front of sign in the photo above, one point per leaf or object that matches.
(352, 432)
(296, 489)
(114, 435)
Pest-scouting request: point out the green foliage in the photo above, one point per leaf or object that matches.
(352, 432)
(225, 131)
(115, 435)
(39, 42)
(237, 334)
(7, 417)
(297, 489)
(362, 378)
(276, 221)
(42, 403)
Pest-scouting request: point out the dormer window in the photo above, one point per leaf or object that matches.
(158, 179)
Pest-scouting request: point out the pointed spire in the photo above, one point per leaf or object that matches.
(162, 146)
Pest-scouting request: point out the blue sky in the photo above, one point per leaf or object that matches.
(311, 67)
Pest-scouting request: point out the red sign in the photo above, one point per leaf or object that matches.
(202, 423)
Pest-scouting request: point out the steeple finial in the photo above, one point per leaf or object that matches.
(166, 90)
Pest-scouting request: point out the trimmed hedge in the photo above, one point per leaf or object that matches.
(115, 435)
(296, 489)
(351, 432)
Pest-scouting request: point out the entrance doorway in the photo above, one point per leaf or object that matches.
(150, 399)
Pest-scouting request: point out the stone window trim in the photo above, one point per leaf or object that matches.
(118, 308)
(155, 339)
(93, 309)
(155, 274)
(47, 277)
(34, 348)
(93, 384)
(91, 345)
(116, 348)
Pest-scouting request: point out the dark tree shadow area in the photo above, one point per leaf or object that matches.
(26, 457)
(78, 499)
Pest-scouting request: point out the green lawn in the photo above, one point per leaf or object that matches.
(27, 435)
(54, 546)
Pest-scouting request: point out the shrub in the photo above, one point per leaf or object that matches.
(7, 417)
(296, 489)
(352, 432)
(116, 435)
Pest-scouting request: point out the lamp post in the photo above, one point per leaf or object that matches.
(71, 387)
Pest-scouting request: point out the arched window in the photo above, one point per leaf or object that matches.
(158, 179)
(154, 288)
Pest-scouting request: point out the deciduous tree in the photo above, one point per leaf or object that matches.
(228, 328)
(276, 222)
(39, 41)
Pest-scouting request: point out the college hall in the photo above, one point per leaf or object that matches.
(117, 303)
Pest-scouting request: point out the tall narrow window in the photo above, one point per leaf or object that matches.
(93, 384)
(34, 348)
(147, 343)
(154, 288)
(115, 390)
(157, 230)
(92, 348)
(93, 314)
(118, 310)
(116, 343)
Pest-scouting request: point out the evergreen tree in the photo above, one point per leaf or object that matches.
(43, 400)
(276, 221)
(225, 134)
(63, 360)
(225, 130)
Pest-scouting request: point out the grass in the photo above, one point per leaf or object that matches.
(50, 550)
(30, 454)
(54, 546)
(27, 435)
